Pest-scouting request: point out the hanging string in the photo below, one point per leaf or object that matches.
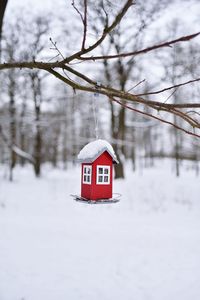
(95, 116)
(96, 94)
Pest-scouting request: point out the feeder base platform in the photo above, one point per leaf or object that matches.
(99, 201)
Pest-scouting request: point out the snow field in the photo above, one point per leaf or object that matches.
(144, 247)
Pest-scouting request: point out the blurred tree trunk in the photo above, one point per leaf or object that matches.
(64, 144)
(3, 4)
(55, 146)
(12, 116)
(36, 89)
(174, 73)
(177, 135)
(176, 150)
(117, 124)
(119, 170)
(22, 133)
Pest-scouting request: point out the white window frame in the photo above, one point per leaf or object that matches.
(86, 174)
(103, 175)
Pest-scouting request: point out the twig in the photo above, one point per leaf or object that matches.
(193, 112)
(170, 95)
(56, 48)
(136, 85)
(77, 10)
(143, 51)
(169, 88)
(53, 57)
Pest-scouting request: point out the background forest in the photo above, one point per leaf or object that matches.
(43, 120)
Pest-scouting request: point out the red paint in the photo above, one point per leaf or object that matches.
(95, 191)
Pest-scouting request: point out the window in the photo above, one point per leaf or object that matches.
(87, 174)
(103, 174)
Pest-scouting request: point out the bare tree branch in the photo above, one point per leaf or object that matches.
(169, 88)
(89, 85)
(84, 21)
(143, 51)
(169, 108)
(104, 90)
(156, 118)
(106, 31)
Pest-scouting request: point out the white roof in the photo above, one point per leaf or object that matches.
(93, 150)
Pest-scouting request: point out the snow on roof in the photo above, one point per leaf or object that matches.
(94, 149)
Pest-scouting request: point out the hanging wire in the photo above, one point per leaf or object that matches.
(95, 95)
(95, 116)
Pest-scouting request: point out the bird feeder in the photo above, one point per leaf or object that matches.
(97, 159)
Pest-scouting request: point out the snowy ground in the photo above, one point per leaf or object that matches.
(147, 247)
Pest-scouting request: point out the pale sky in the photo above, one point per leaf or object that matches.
(57, 7)
(187, 11)
(37, 4)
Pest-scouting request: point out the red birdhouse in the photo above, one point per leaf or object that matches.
(97, 160)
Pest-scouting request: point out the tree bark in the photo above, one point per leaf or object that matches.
(38, 135)
(3, 4)
(12, 125)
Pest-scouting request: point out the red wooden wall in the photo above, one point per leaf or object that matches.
(95, 191)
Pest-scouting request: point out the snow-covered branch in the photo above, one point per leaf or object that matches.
(21, 153)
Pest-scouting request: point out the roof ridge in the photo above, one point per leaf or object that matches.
(92, 159)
